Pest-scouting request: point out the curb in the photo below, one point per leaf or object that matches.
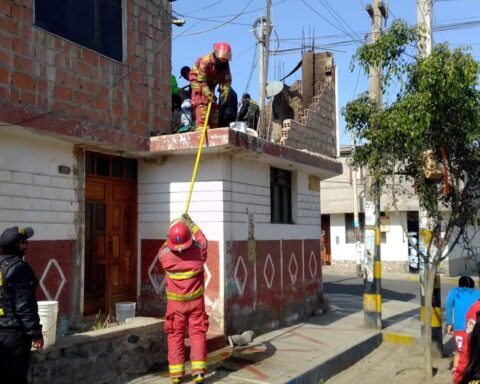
(399, 339)
(340, 362)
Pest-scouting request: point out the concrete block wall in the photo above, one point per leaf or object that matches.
(41, 72)
(318, 134)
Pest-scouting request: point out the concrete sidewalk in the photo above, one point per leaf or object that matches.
(308, 352)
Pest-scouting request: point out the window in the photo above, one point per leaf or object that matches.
(110, 166)
(349, 229)
(280, 196)
(95, 24)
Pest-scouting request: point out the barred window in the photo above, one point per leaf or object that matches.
(349, 229)
(280, 196)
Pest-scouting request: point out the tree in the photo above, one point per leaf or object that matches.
(434, 117)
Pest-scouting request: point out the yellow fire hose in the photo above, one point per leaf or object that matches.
(197, 161)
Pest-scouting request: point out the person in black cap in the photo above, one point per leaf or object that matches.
(20, 327)
(186, 91)
(249, 111)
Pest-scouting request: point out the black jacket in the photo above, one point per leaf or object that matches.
(18, 301)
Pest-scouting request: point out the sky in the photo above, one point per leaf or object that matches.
(339, 26)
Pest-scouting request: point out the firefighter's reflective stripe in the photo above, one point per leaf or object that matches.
(195, 228)
(186, 296)
(199, 365)
(183, 275)
(195, 86)
(206, 91)
(202, 78)
(2, 312)
(176, 368)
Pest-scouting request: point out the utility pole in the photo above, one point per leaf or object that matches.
(356, 219)
(424, 20)
(264, 41)
(372, 298)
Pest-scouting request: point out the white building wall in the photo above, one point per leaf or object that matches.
(32, 191)
(394, 250)
(247, 192)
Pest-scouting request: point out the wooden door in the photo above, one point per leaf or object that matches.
(110, 242)
(326, 248)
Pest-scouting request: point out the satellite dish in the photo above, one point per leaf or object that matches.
(274, 88)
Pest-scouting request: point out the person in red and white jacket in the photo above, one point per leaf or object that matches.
(182, 257)
(464, 369)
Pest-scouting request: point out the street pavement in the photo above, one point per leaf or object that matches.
(313, 350)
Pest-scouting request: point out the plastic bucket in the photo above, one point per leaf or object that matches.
(124, 311)
(48, 311)
(240, 126)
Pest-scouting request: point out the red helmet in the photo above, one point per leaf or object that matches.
(179, 237)
(222, 51)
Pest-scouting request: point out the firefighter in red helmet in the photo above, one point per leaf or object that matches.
(209, 71)
(182, 258)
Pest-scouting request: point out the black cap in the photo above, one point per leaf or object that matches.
(245, 96)
(11, 237)
(184, 72)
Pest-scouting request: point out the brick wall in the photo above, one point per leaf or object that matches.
(92, 96)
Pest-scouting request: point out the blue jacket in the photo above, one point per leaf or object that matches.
(458, 302)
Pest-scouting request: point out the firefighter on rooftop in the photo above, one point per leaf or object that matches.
(209, 71)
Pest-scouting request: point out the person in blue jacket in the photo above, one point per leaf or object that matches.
(458, 302)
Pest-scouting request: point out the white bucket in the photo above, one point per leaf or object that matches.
(124, 311)
(48, 311)
(240, 126)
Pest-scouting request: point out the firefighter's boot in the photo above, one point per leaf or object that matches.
(176, 380)
(198, 378)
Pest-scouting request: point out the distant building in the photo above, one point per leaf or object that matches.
(397, 253)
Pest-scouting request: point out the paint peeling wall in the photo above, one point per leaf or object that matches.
(33, 193)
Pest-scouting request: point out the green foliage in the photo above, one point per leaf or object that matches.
(437, 107)
(100, 323)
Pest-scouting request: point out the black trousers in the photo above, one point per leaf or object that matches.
(14, 356)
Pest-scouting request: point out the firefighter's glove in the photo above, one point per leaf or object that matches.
(225, 93)
(187, 220)
(211, 98)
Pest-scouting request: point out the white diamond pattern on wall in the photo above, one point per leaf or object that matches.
(293, 268)
(240, 274)
(157, 280)
(312, 265)
(269, 271)
(52, 263)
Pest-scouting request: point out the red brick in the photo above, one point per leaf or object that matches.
(144, 118)
(22, 64)
(5, 41)
(9, 25)
(82, 97)
(4, 75)
(5, 8)
(27, 98)
(21, 12)
(23, 81)
(90, 57)
(14, 95)
(63, 93)
(3, 93)
(20, 47)
(101, 104)
(42, 102)
(4, 56)
(132, 114)
(85, 70)
(88, 87)
(117, 109)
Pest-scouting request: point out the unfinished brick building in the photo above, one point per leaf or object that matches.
(80, 93)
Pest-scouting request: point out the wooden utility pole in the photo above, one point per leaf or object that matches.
(424, 21)
(372, 298)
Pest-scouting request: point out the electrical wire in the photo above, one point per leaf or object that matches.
(252, 68)
(220, 25)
